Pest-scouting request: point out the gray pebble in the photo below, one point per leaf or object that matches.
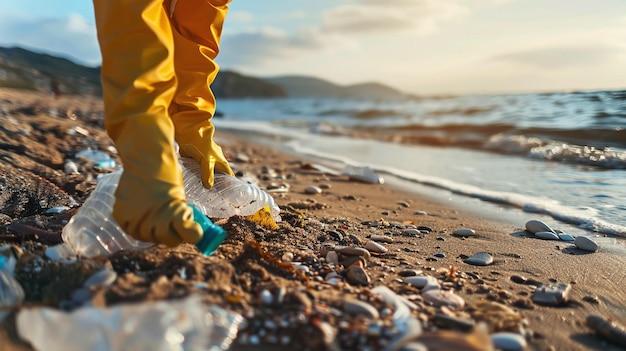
(325, 186)
(480, 259)
(535, 226)
(403, 203)
(453, 322)
(566, 237)
(373, 246)
(464, 232)
(508, 341)
(420, 213)
(312, 189)
(360, 308)
(382, 238)
(439, 298)
(352, 251)
(104, 277)
(585, 243)
(551, 294)
(409, 273)
(423, 282)
(411, 232)
(425, 229)
(547, 235)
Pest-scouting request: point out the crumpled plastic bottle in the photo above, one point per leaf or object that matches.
(229, 196)
(92, 231)
(363, 174)
(183, 325)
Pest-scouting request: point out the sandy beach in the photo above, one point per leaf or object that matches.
(304, 264)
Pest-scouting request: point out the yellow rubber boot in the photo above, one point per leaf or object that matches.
(138, 84)
(197, 27)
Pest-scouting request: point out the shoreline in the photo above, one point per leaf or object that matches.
(592, 276)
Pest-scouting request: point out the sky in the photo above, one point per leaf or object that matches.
(417, 46)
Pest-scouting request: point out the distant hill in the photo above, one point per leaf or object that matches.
(305, 86)
(230, 84)
(24, 69)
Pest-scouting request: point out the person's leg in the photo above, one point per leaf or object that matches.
(138, 85)
(196, 28)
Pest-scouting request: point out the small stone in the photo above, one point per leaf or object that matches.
(302, 268)
(440, 255)
(535, 226)
(409, 273)
(453, 322)
(335, 235)
(519, 279)
(551, 294)
(423, 282)
(585, 243)
(420, 213)
(241, 157)
(464, 232)
(425, 229)
(104, 277)
(332, 257)
(266, 297)
(566, 237)
(312, 189)
(547, 235)
(350, 260)
(82, 295)
(480, 259)
(411, 232)
(325, 186)
(360, 308)
(382, 238)
(353, 251)
(356, 275)
(373, 246)
(287, 257)
(438, 297)
(403, 203)
(508, 341)
(609, 329)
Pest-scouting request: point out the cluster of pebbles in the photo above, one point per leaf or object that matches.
(543, 231)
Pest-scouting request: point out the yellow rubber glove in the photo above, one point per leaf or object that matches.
(138, 85)
(196, 28)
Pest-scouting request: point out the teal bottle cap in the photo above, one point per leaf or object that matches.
(213, 233)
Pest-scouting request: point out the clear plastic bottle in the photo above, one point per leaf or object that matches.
(229, 196)
(92, 231)
(184, 325)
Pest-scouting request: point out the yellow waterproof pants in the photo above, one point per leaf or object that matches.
(157, 65)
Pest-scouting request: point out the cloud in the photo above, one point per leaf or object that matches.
(564, 56)
(72, 36)
(239, 16)
(341, 27)
(382, 17)
(260, 46)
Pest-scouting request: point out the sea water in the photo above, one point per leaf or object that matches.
(561, 155)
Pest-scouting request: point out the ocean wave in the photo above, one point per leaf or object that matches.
(554, 151)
